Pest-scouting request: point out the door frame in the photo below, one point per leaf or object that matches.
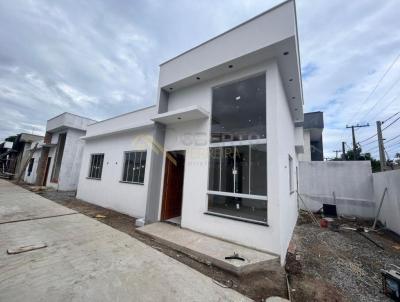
(46, 171)
(161, 209)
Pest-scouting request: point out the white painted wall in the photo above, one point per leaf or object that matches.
(109, 192)
(52, 153)
(390, 212)
(68, 120)
(306, 155)
(124, 121)
(31, 179)
(194, 138)
(281, 143)
(350, 180)
(71, 160)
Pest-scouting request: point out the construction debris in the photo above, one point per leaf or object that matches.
(27, 248)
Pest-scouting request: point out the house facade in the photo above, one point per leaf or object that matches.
(57, 162)
(219, 152)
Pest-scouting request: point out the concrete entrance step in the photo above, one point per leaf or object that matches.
(209, 249)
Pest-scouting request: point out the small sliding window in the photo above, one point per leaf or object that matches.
(96, 166)
(134, 167)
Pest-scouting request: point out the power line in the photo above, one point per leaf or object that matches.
(393, 138)
(391, 123)
(368, 138)
(381, 79)
(394, 144)
(391, 117)
(381, 98)
(370, 143)
(386, 107)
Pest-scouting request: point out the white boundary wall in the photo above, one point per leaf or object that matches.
(351, 181)
(390, 212)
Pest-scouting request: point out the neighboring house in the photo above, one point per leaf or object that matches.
(59, 161)
(313, 145)
(31, 169)
(218, 153)
(13, 158)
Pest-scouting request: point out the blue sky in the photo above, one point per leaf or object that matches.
(100, 58)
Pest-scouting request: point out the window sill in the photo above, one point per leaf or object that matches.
(131, 183)
(237, 218)
(93, 178)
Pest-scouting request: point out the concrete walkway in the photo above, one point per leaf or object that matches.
(210, 249)
(86, 260)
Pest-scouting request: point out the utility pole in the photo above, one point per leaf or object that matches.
(343, 151)
(380, 144)
(336, 151)
(354, 137)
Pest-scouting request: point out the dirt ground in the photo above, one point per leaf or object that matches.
(339, 265)
(257, 286)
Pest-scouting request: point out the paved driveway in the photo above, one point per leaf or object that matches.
(86, 260)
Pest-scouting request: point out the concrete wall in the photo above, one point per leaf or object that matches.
(280, 148)
(71, 161)
(306, 155)
(31, 179)
(68, 120)
(390, 212)
(350, 180)
(124, 121)
(109, 192)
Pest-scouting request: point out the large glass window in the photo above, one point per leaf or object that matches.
(96, 166)
(238, 153)
(134, 167)
(239, 169)
(239, 111)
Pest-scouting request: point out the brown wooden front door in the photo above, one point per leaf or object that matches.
(173, 185)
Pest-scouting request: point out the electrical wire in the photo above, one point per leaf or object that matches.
(391, 117)
(368, 138)
(391, 123)
(393, 138)
(381, 98)
(381, 79)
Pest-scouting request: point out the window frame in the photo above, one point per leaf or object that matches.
(90, 166)
(123, 167)
(257, 74)
(234, 143)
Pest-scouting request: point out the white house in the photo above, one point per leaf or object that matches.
(218, 153)
(57, 162)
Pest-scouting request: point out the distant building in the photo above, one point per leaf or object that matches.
(57, 162)
(313, 145)
(15, 151)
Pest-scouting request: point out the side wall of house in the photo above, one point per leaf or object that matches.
(281, 145)
(109, 191)
(194, 137)
(71, 160)
(390, 211)
(31, 179)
